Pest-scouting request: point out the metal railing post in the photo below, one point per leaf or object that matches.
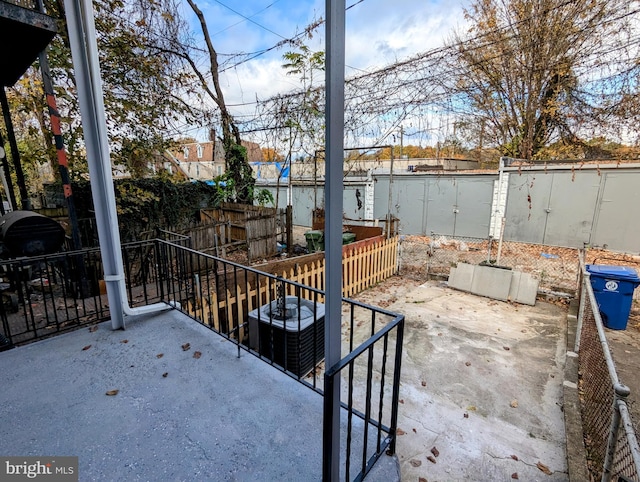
(161, 271)
(631, 435)
(584, 299)
(396, 388)
(327, 429)
(621, 393)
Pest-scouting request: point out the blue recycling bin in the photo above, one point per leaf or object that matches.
(613, 288)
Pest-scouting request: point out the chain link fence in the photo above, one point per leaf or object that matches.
(556, 268)
(612, 448)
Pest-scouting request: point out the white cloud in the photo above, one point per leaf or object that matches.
(378, 33)
(397, 30)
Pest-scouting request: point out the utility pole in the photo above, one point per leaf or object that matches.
(63, 166)
(401, 141)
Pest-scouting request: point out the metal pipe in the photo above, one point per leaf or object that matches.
(61, 153)
(396, 387)
(390, 195)
(502, 221)
(608, 358)
(621, 393)
(334, 159)
(584, 299)
(501, 165)
(631, 434)
(84, 50)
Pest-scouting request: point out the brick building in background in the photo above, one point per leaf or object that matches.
(205, 160)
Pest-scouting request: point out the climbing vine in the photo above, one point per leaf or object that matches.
(146, 204)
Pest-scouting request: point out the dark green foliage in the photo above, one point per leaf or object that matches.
(146, 204)
(240, 173)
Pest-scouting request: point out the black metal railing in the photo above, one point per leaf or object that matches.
(47, 295)
(279, 321)
(282, 322)
(378, 433)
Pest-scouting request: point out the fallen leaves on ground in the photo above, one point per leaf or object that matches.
(124, 341)
(399, 431)
(165, 374)
(159, 355)
(543, 468)
(86, 347)
(415, 462)
(93, 328)
(422, 479)
(424, 384)
(186, 346)
(197, 354)
(435, 451)
(514, 403)
(431, 459)
(111, 393)
(506, 348)
(515, 457)
(514, 475)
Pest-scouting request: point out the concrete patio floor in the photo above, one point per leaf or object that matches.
(174, 417)
(482, 382)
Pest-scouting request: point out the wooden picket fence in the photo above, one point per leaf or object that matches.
(368, 263)
(364, 264)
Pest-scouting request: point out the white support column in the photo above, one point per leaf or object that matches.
(334, 162)
(84, 51)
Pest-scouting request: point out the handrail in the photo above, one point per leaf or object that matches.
(611, 366)
(630, 432)
(168, 271)
(364, 346)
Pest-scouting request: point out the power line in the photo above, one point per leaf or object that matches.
(285, 41)
(249, 19)
(245, 18)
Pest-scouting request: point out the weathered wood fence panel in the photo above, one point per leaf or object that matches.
(261, 235)
(256, 225)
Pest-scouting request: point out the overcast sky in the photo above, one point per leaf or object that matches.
(378, 32)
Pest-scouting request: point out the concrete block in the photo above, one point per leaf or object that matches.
(524, 288)
(492, 282)
(515, 285)
(461, 278)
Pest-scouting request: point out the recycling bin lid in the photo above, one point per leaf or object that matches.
(622, 273)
